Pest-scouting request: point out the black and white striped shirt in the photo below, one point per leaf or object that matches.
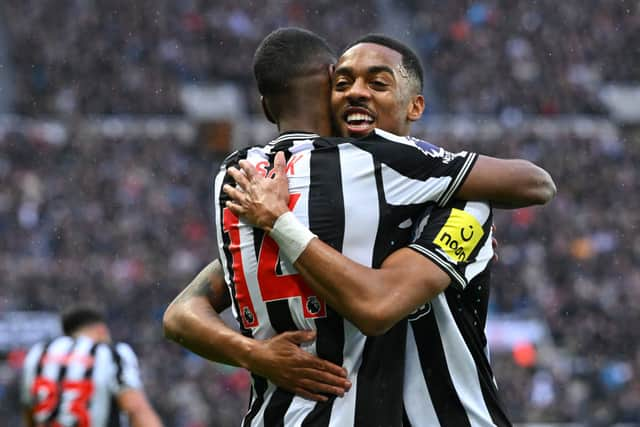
(74, 381)
(362, 198)
(448, 378)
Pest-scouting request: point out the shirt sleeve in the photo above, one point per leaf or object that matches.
(457, 238)
(127, 370)
(414, 171)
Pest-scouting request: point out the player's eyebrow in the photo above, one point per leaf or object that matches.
(374, 69)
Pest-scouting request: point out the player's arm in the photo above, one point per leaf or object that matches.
(507, 183)
(372, 299)
(192, 320)
(134, 403)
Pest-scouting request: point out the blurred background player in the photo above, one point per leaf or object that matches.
(82, 379)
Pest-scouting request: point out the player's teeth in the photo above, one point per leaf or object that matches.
(359, 117)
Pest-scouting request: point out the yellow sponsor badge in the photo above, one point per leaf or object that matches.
(460, 235)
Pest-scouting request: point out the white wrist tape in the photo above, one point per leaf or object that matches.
(291, 236)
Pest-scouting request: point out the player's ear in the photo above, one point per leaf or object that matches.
(416, 108)
(267, 112)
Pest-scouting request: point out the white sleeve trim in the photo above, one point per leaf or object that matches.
(459, 179)
(455, 276)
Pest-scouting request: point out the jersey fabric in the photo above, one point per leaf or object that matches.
(448, 378)
(362, 197)
(74, 381)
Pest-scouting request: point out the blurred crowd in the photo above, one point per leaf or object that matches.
(125, 56)
(124, 220)
(489, 56)
(542, 57)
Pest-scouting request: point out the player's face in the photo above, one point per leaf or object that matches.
(371, 90)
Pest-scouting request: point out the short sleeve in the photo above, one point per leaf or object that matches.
(414, 171)
(457, 238)
(127, 369)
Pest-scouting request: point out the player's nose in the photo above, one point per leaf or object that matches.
(358, 90)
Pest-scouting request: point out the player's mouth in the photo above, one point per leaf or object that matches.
(359, 121)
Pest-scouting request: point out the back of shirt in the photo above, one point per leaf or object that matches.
(74, 381)
(361, 197)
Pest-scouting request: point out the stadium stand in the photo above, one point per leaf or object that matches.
(105, 182)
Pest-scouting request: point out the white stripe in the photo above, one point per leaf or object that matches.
(441, 263)
(481, 260)
(417, 399)
(298, 411)
(481, 211)
(258, 420)
(459, 179)
(402, 190)
(343, 409)
(462, 368)
(359, 190)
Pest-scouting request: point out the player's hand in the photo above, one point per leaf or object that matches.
(283, 362)
(258, 199)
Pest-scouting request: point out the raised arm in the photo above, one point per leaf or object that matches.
(192, 320)
(507, 183)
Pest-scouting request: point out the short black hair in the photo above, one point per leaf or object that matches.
(77, 317)
(287, 53)
(410, 60)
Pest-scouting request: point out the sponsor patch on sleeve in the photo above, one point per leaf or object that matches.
(459, 236)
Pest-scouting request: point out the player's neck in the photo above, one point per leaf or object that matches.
(306, 124)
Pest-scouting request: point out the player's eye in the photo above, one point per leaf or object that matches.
(379, 84)
(341, 84)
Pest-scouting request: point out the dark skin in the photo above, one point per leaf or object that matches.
(207, 295)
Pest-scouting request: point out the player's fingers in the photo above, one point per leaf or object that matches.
(239, 177)
(279, 164)
(309, 394)
(247, 168)
(320, 385)
(237, 195)
(235, 208)
(300, 337)
(321, 365)
(325, 377)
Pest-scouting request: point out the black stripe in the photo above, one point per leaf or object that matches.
(277, 408)
(62, 374)
(114, 413)
(89, 372)
(117, 360)
(39, 366)
(326, 220)
(280, 316)
(380, 379)
(434, 366)
(471, 327)
(259, 388)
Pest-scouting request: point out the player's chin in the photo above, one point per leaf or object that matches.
(358, 130)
